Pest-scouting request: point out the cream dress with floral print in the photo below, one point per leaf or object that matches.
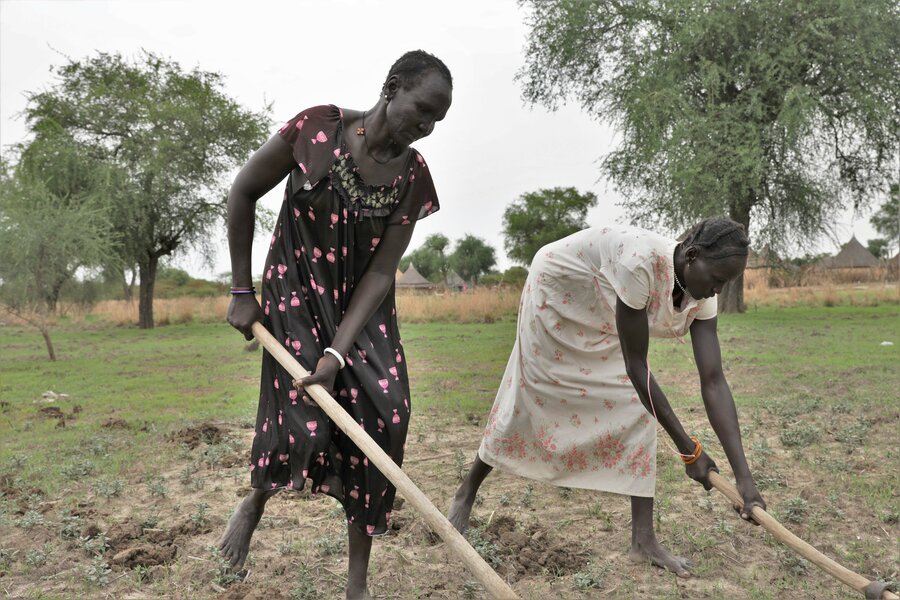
(566, 412)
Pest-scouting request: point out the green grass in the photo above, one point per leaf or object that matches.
(161, 380)
(815, 390)
(156, 381)
(771, 354)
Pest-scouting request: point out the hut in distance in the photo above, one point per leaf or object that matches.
(413, 280)
(455, 282)
(853, 255)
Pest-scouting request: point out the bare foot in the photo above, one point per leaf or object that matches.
(235, 543)
(460, 509)
(655, 554)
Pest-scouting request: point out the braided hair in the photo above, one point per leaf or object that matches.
(412, 66)
(719, 237)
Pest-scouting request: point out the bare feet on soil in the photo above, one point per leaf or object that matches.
(460, 509)
(235, 543)
(656, 555)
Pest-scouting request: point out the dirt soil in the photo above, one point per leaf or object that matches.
(547, 542)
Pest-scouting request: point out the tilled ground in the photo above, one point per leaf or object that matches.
(154, 537)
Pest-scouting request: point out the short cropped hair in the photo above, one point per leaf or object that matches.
(413, 65)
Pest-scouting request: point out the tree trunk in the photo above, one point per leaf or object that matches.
(148, 281)
(731, 300)
(45, 332)
(128, 286)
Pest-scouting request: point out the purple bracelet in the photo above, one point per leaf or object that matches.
(241, 290)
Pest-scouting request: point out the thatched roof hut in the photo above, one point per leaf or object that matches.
(853, 255)
(412, 279)
(455, 282)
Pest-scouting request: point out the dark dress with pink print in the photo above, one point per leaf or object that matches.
(328, 230)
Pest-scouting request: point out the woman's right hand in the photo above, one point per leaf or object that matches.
(700, 468)
(243, 312)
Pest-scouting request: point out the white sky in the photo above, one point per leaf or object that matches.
(490, 149)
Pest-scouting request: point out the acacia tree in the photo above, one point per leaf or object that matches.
(44, 239)
(472, 257)
(538, 218)
(171, 135)
(777, 113)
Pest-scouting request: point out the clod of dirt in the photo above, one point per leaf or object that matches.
(145, 555)
(205, 433)
(419, 530)
(51, 412)
(121, 533)
(111, 423)
(91, 531)
(534, 552)
(191, 527)
(10, 491)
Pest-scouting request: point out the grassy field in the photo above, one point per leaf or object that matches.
(120, 488)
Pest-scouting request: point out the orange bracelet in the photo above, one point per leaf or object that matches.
(692, 458)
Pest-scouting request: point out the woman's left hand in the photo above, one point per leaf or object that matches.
(326, 371)
(700, 468)
(751, 498)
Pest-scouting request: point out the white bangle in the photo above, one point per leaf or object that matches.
(337, 355)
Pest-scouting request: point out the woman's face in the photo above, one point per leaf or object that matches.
(411, 113)
(705, 277)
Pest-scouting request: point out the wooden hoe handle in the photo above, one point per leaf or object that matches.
(493, 584)
(842, 574)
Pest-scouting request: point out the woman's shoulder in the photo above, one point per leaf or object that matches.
(319, 117)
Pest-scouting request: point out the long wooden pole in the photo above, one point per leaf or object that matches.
(781, 533)
(493, 584)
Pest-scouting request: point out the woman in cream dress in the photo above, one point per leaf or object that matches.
(573, 407)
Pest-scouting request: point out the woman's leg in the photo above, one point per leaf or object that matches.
(461, 507)
(358, 571)
(235, 543)
(644, 545)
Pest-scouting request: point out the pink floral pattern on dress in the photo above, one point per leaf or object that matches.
(574, 459)
(574, 418)
(514, 446)
(639, 462)
(328, 230)
(608, 450)
(544, 445)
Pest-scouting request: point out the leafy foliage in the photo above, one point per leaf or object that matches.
(430, 258)
(472, 257)
(538, 218)
(47, 233)
(166, 135)
(886, 222)
(783, 112)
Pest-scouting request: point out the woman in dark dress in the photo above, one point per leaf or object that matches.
(354, 193)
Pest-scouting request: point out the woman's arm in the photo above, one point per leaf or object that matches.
(367, 297)
(268, 165)
(634, 335)
(720, 408)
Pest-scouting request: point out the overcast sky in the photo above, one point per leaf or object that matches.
(490, 149)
